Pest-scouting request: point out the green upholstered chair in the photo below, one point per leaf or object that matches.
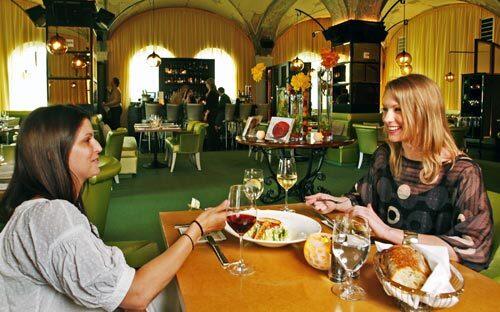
(9, 153)
(458, 134)
(493, 271)
(187, 143)
(95, 197)
(129, 156)
(96, 121)
(342, 129)
(367, 140)
(114, 145)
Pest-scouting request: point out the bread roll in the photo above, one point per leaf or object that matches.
(406, 266)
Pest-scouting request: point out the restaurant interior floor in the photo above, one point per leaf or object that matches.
(136, 202)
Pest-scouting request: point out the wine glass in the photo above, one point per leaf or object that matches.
(240, 218)
(287, 177)
(350, 246)
(253, 180)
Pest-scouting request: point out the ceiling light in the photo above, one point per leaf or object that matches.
(57, 45)
(450, 77)
(153, 60)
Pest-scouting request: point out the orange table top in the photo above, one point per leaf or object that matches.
(283, 280)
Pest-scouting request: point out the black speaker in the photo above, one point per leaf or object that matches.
(104, 19)
(480, 102)
(37, 15)
(266, 43)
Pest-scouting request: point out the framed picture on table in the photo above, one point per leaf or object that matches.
(251, 126)
(280, 129)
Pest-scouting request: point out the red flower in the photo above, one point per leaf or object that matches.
(329, 58)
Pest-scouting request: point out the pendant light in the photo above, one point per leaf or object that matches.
(78, 62)
(450, 77)
(297, 64)
(404, 58)
(153, 60)
(57, 44)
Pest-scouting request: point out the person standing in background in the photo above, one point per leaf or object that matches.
(223, 101)
(211, 111)
(113, 107)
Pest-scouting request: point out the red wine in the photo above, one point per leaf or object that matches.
(241, 222)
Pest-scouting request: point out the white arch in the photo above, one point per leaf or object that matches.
(141, 76)
(225, 69)
(315, 60)
(27, 70)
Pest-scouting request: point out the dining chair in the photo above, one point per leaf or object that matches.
(262, 110)
(173, 112)
(188, 143)
(194, 112)
(367, 140)
(229, 123)
(95, 198)
(458, 134)
(114, 145)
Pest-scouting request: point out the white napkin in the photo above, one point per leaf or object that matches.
(439, 262)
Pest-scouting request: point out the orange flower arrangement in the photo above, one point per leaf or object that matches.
(329, 58)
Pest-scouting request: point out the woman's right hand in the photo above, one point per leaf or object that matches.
(324, 203)
(213, 219)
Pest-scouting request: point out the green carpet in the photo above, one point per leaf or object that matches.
(136, 202)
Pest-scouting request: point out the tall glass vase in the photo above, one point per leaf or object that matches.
(326, 98)
(296, 112)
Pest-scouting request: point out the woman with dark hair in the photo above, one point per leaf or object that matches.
(51, 257)
(420, 187)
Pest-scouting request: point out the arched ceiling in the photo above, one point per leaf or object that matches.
(270, 18)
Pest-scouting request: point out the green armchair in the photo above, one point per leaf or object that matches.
(493, 271)
(367, 140)
(95, 197)
(114, 145)
(187, 143)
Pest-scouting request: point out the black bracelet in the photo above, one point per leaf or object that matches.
(199, 225)
(192, 242)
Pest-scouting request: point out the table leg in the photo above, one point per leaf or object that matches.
(306, 186)
(155, 163)
(271, 196)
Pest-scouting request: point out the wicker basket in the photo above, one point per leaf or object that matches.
(414, 299)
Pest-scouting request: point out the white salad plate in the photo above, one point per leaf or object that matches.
(299, 227)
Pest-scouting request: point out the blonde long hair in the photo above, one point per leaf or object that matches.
(424, 124)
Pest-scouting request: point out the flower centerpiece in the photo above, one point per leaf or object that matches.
(329, 58)
(299, 84)
(257, 71)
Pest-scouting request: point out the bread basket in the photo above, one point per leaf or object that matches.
(414, 299)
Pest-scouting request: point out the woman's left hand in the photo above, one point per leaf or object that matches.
(378, 227)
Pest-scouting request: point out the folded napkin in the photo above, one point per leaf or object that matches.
(217, 236)
(439, 262)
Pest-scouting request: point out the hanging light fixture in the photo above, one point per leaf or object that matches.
(406, 69)
(297, 64)
(450, 77)
(404, 58)
(153, 60)
(73, 84)
(57, 44)
(78, 62)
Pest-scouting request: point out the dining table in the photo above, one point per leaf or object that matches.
(306, 184)
(284, 281)
(148, 128)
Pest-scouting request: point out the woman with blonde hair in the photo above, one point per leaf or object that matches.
(420, 187)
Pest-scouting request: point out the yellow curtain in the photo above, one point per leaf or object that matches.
(287, 46)
(431, 35)
(16, 29)
(184, 32)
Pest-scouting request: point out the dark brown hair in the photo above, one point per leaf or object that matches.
(42, 157)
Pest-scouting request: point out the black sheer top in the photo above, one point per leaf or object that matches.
(455, 208)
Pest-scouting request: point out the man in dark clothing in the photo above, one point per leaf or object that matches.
(223, 100)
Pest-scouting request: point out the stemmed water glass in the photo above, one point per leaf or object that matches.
(350, 247)
(240, 218)
(287, 177)
(253, 180)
